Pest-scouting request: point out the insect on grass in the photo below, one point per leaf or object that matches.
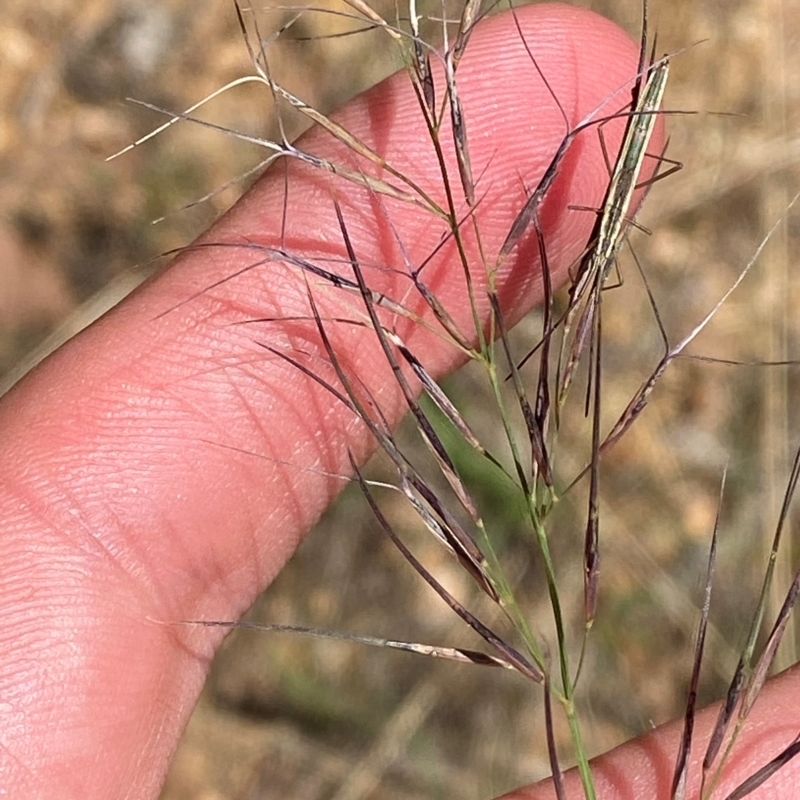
(614, 216)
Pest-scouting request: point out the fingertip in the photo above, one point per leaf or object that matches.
(526, 80)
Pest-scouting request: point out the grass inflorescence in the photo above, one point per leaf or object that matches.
(539, 443)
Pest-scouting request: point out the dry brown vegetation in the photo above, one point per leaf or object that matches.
(285, 716)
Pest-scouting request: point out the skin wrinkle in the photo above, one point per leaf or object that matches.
(41, 503)
(185, 400)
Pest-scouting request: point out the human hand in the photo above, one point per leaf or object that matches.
(116, 510)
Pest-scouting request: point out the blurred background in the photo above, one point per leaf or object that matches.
(285, 716)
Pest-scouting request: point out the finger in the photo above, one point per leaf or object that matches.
(127, 492)
(644, 767)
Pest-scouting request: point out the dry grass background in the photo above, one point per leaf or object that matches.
(287, 717)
